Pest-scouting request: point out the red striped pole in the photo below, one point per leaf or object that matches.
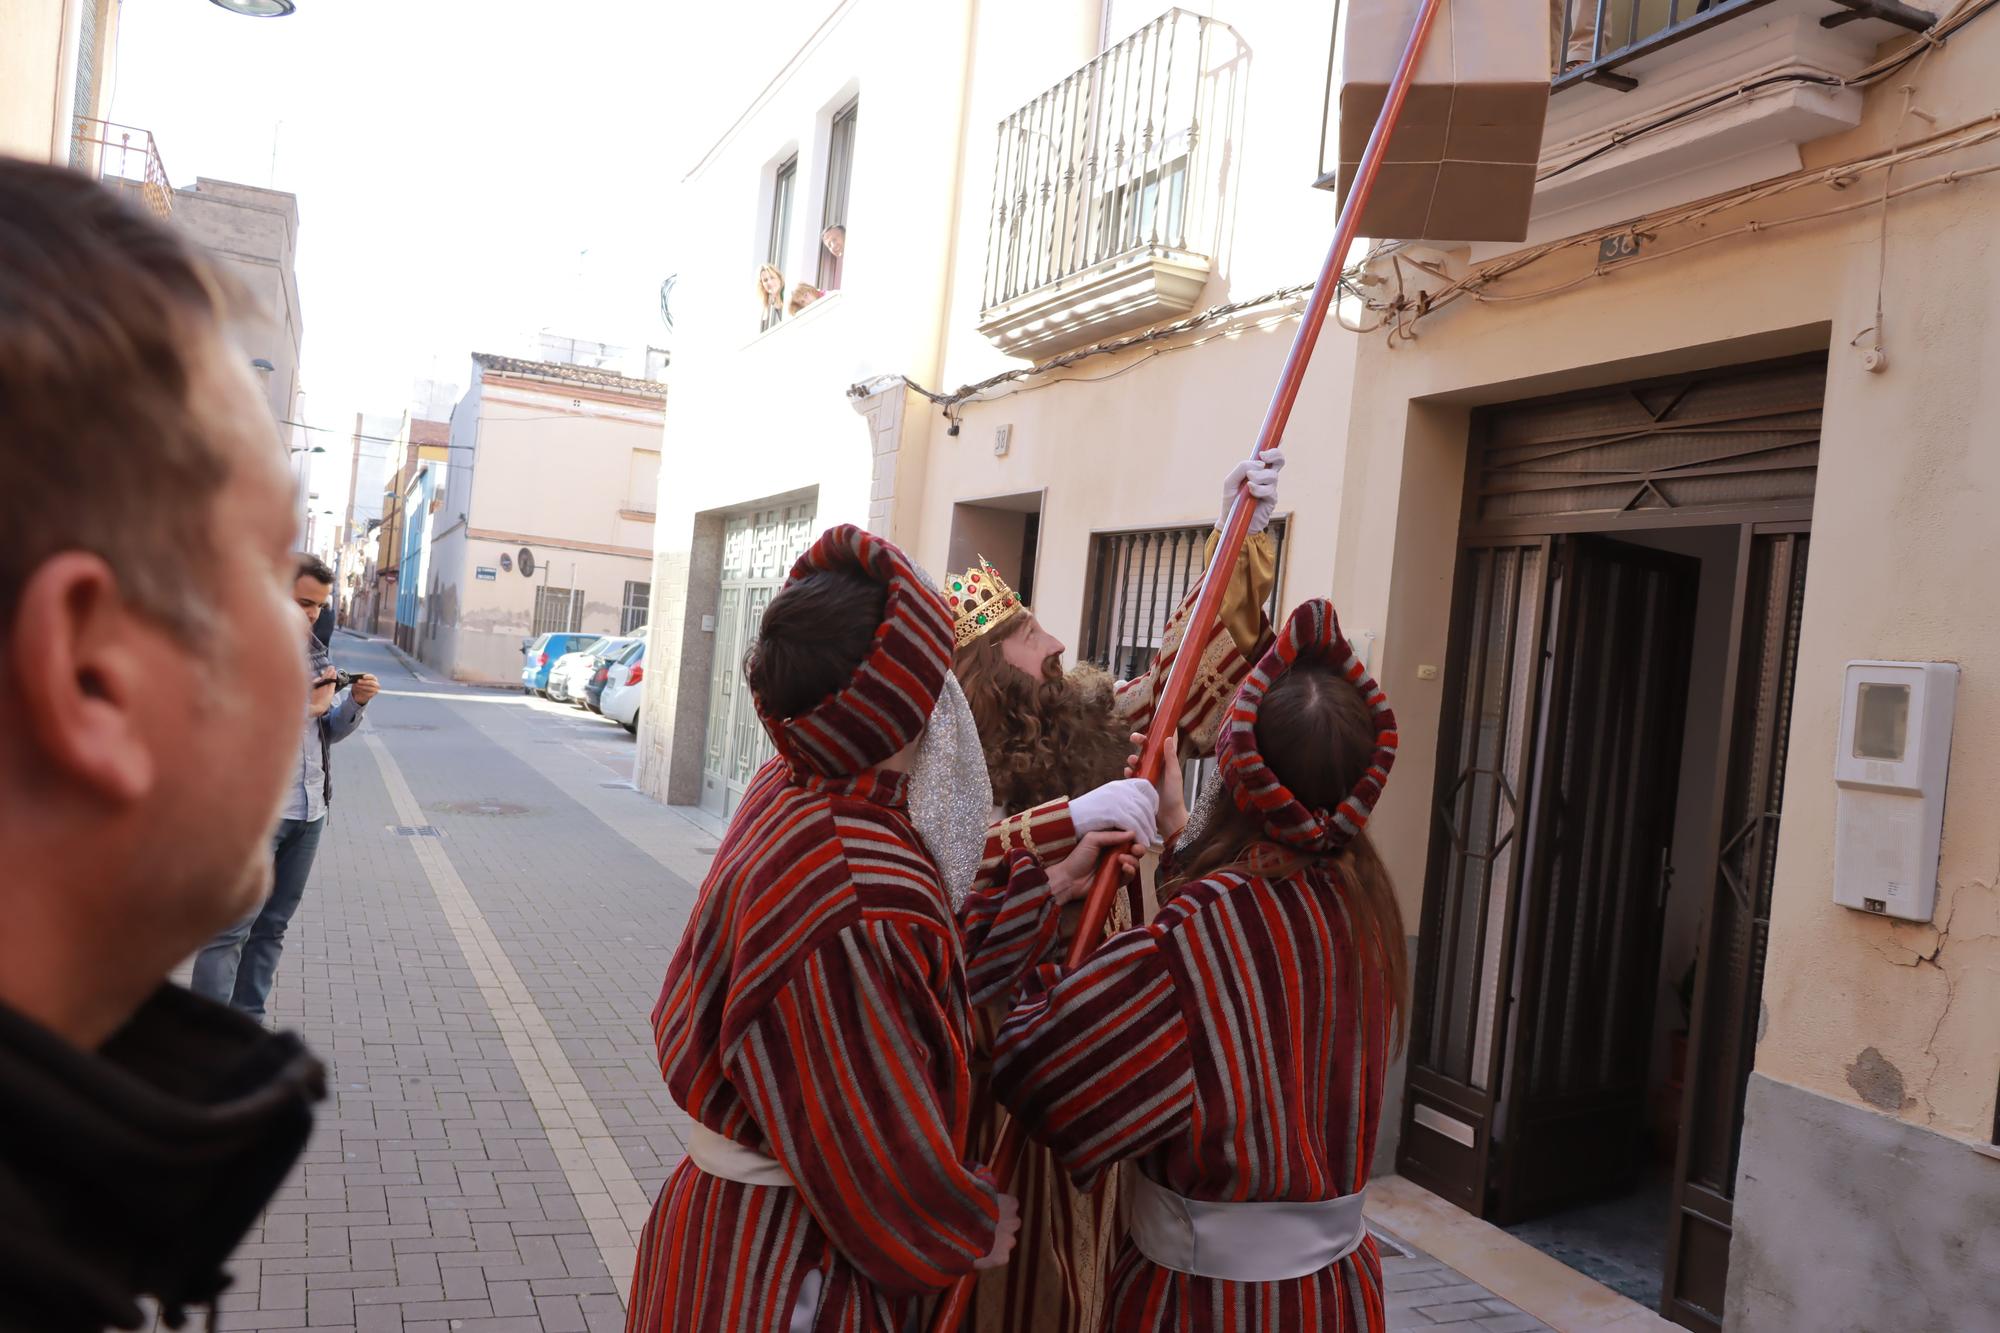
(1215, 580)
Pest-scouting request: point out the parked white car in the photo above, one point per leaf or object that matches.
(573, 669)
(620, 700)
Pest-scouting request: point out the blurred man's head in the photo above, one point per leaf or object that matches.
(151, 683)
(312, 590)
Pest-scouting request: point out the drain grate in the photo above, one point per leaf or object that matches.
(415, 830)
(618, 786)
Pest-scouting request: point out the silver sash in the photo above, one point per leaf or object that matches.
(730, 1160)
(1241, 1242)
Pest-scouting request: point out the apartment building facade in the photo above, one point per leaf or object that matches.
(831, 184)
(539, 517)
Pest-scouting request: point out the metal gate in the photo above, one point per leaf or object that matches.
(758, 549)
(1536, 957)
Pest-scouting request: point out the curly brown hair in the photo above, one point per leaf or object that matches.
(1044, 737)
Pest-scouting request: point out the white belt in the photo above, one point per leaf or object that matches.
(1241, 1242)
(730, 1160)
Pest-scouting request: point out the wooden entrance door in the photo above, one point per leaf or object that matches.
(1488, 737)
(1729, 969)
(1540, 939)
(1734, 447)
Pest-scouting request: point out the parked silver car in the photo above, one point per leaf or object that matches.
(623, 688)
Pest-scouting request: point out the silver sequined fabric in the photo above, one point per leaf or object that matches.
(950, 794)
(1206, 801)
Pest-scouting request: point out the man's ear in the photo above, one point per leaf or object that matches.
(86, 667)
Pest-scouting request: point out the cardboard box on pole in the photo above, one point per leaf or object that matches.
(1461, 164)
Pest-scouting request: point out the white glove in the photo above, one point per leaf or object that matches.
(1130, 804)
(1262, 474)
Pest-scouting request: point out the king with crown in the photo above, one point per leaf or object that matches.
(1056, 743)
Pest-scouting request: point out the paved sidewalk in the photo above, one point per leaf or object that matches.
(476, 959)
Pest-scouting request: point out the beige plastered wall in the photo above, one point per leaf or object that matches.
(1902, 1018)
(547, 467)
(38, 67)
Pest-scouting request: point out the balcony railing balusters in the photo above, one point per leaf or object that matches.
(1123, 159)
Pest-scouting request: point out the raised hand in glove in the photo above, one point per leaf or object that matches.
(1262, 474)
(1126, 804)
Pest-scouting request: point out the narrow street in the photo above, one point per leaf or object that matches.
(486, 928)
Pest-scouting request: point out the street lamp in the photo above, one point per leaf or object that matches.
(256, 9)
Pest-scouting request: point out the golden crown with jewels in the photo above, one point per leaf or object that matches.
(980, 599)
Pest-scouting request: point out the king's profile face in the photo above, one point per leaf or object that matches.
(1028, 648)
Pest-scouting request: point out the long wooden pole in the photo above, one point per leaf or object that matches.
(1215, 580)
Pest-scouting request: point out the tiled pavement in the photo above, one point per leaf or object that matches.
(480, 988)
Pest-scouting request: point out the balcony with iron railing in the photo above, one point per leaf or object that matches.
(125, 156)
(1110, 188)
(1655, 102)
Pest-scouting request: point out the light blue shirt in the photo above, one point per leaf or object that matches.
(307, 799)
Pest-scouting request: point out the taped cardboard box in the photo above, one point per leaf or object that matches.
(1461, 164)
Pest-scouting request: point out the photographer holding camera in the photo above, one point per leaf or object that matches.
(237, 967)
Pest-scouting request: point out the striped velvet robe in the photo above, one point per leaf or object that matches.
(1055, 1282)
(816, 1011)
(1233, 1049)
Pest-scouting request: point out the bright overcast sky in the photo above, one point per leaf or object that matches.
(468, 171)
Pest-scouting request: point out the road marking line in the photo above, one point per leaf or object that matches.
(613, 1204)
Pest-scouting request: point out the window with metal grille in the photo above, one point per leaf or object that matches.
(1136, 581)
(558, 610)
(638, 598)
(839, 176)
(783, 185)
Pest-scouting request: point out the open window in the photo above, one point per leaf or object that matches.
(839, 179)
(771, 276)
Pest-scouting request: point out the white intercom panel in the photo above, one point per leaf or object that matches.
(1893, 757)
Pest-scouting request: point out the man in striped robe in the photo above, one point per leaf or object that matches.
(1055, 745)
(815, 1020)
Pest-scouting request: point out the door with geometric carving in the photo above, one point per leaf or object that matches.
(759, 548)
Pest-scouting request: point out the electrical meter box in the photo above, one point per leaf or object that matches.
(1890, 768)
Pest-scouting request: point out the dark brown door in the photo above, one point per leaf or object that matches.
(1486, 741)
(1588, 922)
(1729, 969)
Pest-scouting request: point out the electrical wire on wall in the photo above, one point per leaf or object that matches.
(1401, 313)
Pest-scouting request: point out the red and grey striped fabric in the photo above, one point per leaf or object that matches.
(816, 1012)
(1235, 1049)
(1055, 1281)
(888, 702)
(1311, 635)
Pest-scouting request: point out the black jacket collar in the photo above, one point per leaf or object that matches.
(137, 1170)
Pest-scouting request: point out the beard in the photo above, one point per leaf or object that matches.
(1048, 735)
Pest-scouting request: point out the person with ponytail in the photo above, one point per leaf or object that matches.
(1234, 1048)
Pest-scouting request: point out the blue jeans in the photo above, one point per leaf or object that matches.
(237, 966)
